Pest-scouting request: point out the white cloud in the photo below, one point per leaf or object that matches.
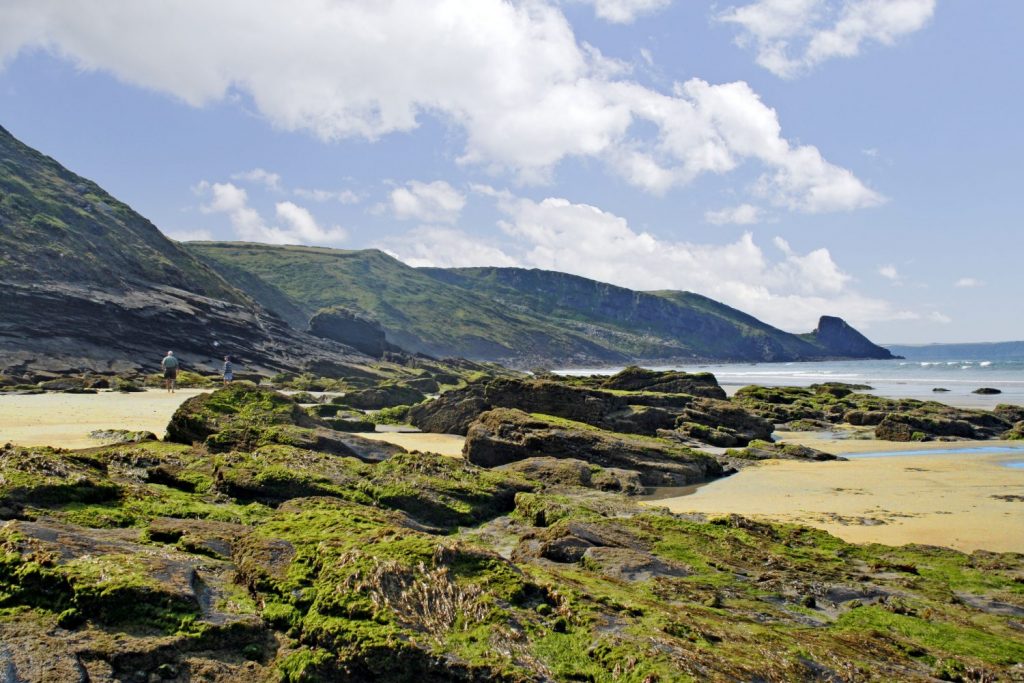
(297, 225)
(941, 318)
(744, 214)
(445, 248)
(625, 11)
(342, 196)
(817, 30)
(967, 282)
(199, 235)
(272, 181)
(790, 291)
(889, 272)
(436, 202)
(510, 76)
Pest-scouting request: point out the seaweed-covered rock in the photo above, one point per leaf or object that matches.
(243, 418)
(503, 435)
(766, 450)
(387, 395)
(987, 391)
(635, 378)
(560, 472)
(722, 423)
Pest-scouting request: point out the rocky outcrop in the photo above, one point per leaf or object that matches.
(766, 450)
(502, 436)
(904, 419)
(351, 329)
(384, 395)
(635, 378)
(836, 338)
(569, 472)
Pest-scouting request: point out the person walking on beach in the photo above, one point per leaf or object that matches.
(228, 371)
(170, 367)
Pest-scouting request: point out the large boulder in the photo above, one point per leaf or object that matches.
(503, 435)
(635, 378)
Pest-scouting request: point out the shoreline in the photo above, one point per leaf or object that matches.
(965, 501)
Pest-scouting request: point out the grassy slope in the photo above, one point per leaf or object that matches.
(60, 227)
(497, 313)
(420, 313)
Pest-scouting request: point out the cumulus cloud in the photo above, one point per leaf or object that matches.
(782, 286)
(296, 223)
(744, 214)
(889, 272)
(967, 282)
(939, 317)
(445, 248)
(510, 76)
(793, 36)
(342, 196)
(272, 181)
(625, 11)
(436, 202)
(199, 235)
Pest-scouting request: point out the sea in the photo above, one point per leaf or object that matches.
(898, 378)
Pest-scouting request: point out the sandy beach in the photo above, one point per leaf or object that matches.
(966, 501)
(65, 420)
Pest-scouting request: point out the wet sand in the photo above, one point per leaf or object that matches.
(65, 420)
(967, 501)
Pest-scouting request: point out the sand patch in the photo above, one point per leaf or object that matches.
(65, 420)
(442, 444)
(962, 501)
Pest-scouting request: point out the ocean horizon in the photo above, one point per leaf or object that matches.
(895, 378)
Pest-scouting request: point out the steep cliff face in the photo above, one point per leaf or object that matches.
(86, 283)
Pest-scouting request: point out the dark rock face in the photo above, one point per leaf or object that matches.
(502, 436)
(837, 338)
(639, 379)
(90, 285)
(989, 391)
(351, 329)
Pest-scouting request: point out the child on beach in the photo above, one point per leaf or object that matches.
(228, 371)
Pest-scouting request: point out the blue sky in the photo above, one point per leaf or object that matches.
(791, 158)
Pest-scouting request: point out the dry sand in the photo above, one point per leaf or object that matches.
(65, 420)
(442, 444)
(966, 501)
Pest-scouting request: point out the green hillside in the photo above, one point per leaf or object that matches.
(419, 312)
(511, 315)
(61, 227)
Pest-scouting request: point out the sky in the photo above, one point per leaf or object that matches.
(791, 158)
